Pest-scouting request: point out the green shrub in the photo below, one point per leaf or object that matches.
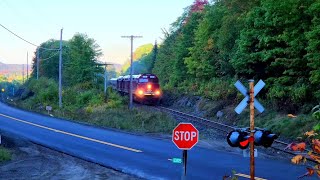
(133, 120)
(5, 155)
(218, 89)
(45, 91)
(80, 98)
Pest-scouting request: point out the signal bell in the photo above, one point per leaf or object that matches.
(241, 138)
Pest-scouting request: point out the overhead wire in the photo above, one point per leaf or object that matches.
(51, 56)
(27, 40)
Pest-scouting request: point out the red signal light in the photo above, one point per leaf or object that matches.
(247, 141)
(244, 143)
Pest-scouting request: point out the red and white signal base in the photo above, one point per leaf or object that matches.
(185, 136)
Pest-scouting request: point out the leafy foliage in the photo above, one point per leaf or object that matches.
(84, 53)
(79, 56)
(313, 50)
(312, 141)
(49, 59)
(276, 41)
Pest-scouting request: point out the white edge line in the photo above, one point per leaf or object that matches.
(71, 134)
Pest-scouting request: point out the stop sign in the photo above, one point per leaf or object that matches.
(185, 136)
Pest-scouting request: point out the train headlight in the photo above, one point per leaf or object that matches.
(140, 92)
(157, 93)
(149, 86)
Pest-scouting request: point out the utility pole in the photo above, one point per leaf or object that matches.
(38, 63)
(22, 73)
(104, 75)
(251, 100)
(105, 79)
(60, 71)
(131, 66)
(27, 66)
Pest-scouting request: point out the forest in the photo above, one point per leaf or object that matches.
(213, 44)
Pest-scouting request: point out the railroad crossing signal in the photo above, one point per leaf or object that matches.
(238, 138)
(241, 138)
(254, 103)
(264, 138)
(243, 104)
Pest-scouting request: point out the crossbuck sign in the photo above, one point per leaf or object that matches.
(243, 104)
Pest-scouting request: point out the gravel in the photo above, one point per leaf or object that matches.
(32, 161)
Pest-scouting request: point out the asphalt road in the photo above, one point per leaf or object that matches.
(143, 156)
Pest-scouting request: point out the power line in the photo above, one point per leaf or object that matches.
(51, 56)
(25, 39)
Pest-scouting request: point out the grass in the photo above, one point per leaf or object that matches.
(281, 124)
(136, 120)
(5, 155)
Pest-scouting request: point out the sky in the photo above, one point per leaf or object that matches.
(103, 20)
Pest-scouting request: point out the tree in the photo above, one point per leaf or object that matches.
(272, 47)
(198, 5)
(49, 59)
(164, 64)
(185, 40)
(154, 56)
(81, 66)
(201, 62)
(313, 48)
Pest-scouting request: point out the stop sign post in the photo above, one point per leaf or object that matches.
(185, 136)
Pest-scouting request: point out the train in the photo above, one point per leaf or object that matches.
(145, 87)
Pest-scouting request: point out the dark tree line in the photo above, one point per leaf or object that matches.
(212, 44)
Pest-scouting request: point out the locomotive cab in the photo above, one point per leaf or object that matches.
(147, 89)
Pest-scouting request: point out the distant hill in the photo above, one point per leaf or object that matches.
(13, 68)
(139, 53)
(117, 67)
(14, 71)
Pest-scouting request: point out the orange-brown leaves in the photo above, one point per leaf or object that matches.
(317, 168)
(309, 173)
(313, 154)
(297, 147)
(310, 133)
(291, 116)
(316, 145)
(298, 159)
(314, 157)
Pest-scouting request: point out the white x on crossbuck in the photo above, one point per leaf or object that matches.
(243, 104)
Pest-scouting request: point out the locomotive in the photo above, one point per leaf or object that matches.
(145, 87)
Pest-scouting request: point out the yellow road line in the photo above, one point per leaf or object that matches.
(71, 134)
(247, 176)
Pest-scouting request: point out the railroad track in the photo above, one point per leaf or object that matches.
(277, 145)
